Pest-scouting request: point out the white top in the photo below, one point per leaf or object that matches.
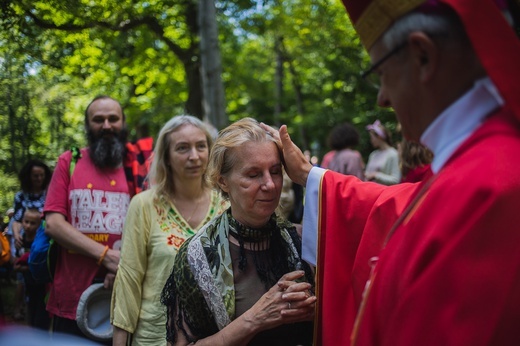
(385, 164)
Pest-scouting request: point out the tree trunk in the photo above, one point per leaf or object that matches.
(298, 95)
(213, 99)
(194, 102)
(278, 78)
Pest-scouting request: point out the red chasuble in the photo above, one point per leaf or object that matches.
(355, 218)
(450, 273)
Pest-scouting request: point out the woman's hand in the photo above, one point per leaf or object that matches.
(286, 302)
(370, 176)
(300, 303)
(271, 310)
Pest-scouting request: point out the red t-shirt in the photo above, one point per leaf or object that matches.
(95, 202)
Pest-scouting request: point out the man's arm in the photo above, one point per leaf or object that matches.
(70, 238)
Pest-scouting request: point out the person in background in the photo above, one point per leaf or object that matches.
(35, 293)
(445, 268)
(287, 199)
(19, 306)
(158, 222)
(85, 210)
(8, 232)
(383, 162)
(415, 160)
(346, 160)
(231, 281)
(34, 179)
(313, 159)
(325, 161)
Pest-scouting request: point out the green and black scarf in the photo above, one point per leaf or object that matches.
(200, 291)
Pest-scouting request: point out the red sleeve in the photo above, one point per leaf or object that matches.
(57, 199)
(354, 221)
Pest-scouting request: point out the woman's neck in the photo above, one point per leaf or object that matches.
(188, 190)
(253, 237)
(192, 200)
(254, 224)
(384, 145)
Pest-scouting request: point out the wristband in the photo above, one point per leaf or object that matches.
(102, 257)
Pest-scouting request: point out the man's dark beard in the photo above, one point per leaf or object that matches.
(107, 148)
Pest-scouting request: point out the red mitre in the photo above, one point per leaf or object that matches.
(492, 37)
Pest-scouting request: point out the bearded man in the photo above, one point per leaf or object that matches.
(86, 206)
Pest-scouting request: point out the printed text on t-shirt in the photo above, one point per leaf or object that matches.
(98, 211)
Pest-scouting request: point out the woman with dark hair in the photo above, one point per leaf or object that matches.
(34, 179)
(342, 139)
(241, 280)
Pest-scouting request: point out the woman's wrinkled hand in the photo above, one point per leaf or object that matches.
(286, 302)
(300, 302)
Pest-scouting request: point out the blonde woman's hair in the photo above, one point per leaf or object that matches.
(160, 175)
(223, 157)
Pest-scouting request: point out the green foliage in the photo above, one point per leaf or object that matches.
(8, 183)
(56, 55)
(325, 54)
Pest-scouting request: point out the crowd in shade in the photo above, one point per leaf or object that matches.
(409, 161)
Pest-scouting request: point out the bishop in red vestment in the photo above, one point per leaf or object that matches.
(445, 264)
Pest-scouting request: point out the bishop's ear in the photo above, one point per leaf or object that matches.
(425, 54)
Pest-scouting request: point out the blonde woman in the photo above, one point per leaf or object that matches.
(158, 222)
(241, 280)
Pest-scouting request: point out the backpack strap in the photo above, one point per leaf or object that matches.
(76, 155)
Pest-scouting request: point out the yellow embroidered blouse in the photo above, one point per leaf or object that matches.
(153, 232)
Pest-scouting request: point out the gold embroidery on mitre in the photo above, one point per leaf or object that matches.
(378, 17)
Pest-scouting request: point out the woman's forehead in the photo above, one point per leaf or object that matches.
(252, 154)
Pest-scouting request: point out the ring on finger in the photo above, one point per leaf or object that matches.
(289, 304)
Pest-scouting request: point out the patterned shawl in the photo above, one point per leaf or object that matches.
(200, 291)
